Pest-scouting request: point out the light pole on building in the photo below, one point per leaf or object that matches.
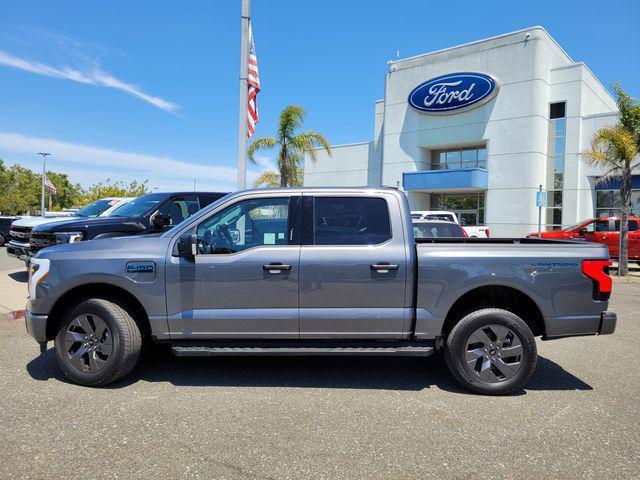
(44, 174)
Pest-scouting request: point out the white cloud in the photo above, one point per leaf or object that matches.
(91, 74)
(265, 163)
(89, 164)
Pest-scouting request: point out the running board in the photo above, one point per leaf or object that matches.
(213, 351)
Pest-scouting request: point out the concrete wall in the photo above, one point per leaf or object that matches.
(349, 165)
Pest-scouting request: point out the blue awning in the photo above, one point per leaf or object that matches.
(463, 178)
(615, 184)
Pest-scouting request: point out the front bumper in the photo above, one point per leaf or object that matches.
(20, 251)
(36, 326)
(608, 322)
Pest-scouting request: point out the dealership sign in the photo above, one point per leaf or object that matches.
(453, 93)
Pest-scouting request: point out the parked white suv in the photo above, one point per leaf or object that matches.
(472, 231)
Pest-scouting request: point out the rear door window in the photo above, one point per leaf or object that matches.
(633, 225)
(351, 221)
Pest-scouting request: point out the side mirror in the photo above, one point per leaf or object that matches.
(160, 221)
(582, 232)
(188, 245)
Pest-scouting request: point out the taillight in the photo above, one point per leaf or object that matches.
(598, 271)
(465, 232)
(486, 232)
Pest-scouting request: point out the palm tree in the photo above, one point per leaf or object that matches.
(267, 179)
(271, 178)
(614, 149)
(292, 146)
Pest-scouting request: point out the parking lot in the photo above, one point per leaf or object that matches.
(320, 417)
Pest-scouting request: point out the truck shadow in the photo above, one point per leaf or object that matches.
(22, 276)
(375, 373)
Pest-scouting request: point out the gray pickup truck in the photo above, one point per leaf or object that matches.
(332, 271)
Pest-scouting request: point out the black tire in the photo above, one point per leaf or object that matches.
(2, 240)
(121, 330)
(467, 361)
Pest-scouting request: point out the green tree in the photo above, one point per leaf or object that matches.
(21, 188)
(115, 189)
(68, 195)
(292, 144)
(629, 112)
(20, 191)
(614, 149)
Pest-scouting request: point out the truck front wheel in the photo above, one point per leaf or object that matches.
(98, 342)
(491, 351)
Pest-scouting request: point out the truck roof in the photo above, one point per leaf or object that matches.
(321, 189)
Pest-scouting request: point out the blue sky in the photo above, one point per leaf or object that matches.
(148, 89)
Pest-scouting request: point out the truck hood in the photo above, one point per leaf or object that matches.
(139, 246)
(35, 221)
(81, 223)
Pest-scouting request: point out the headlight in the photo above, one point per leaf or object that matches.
(68, 237)
(38, 270)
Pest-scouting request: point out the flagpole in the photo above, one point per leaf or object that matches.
(44, 174)
(242, 116)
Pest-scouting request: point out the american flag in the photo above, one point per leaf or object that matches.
(254, 87)
(48, 184)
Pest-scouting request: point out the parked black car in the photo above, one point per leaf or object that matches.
(149, 213)
(5, 224)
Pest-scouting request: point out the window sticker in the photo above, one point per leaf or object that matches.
(281, 236)
(269, 239)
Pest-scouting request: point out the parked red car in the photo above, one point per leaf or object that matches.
(601, 230)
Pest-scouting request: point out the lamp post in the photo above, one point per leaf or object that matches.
(44, 174)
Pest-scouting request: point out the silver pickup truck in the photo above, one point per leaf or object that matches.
(332, 271)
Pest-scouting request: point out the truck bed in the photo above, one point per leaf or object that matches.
(503, 241)
(548, 271)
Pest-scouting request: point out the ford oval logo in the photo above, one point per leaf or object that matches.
(453, 93)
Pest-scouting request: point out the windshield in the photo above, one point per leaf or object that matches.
(96, 208)
(139, 206)
(573, 227)
(437, 230)
(447, 217)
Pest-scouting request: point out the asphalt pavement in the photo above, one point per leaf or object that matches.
(7, 262)
(325, 418)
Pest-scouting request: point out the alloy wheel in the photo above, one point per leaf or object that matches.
(88, 343)
(493, 353)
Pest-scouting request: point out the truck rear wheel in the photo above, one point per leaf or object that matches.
(491, 351)
(98, 342)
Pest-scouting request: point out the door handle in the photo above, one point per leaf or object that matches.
(275, 267)
(383, 267)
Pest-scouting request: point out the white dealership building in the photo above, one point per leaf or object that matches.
(482, 148)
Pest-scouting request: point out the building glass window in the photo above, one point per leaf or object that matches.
(555, 164)
(468, 207)
(452, 159)
(608, 203)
